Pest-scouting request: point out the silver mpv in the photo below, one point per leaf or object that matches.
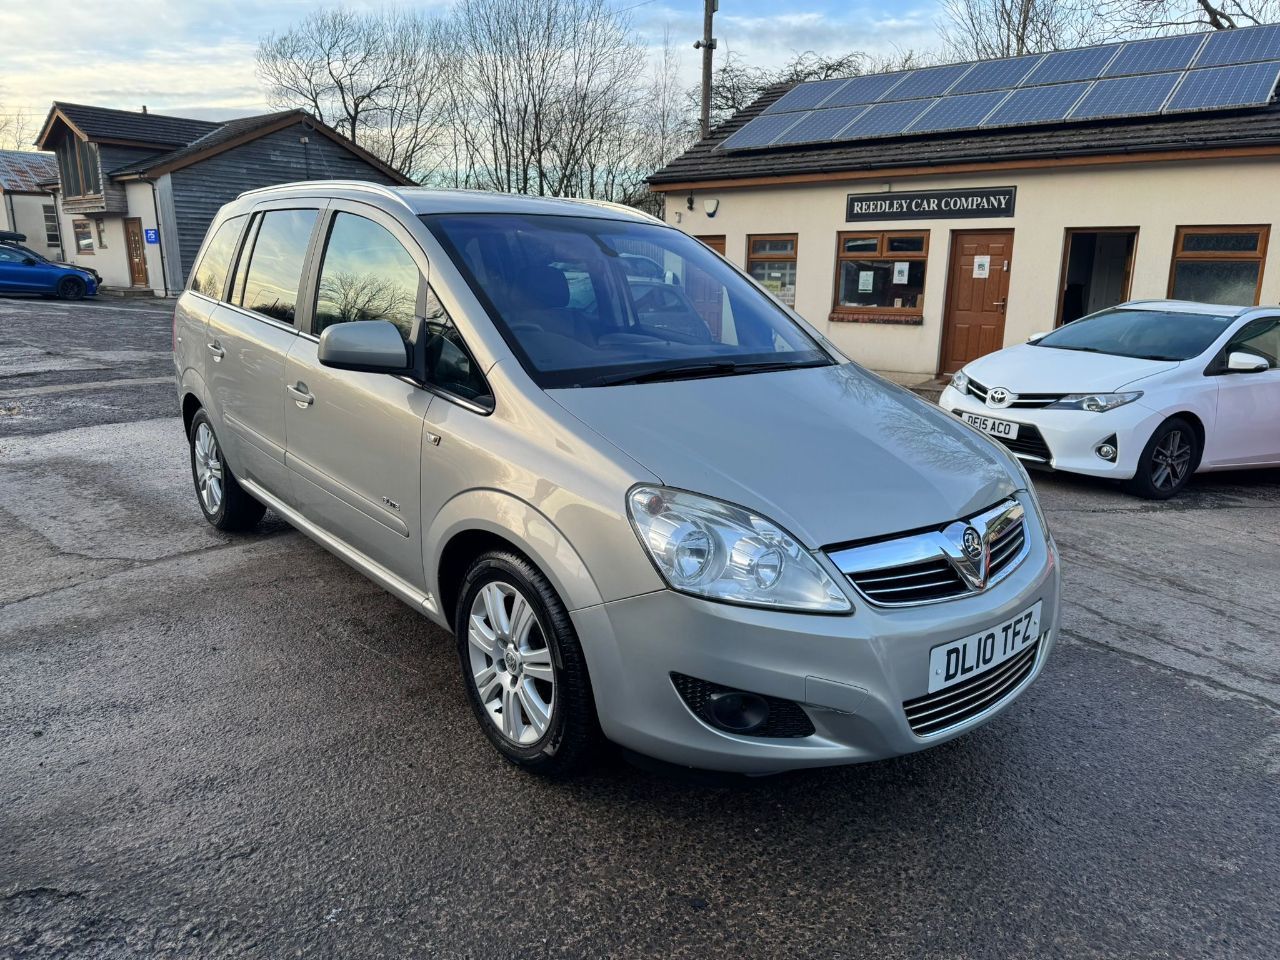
(653, 505)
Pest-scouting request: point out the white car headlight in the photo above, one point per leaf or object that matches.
(717, 550)
(1095, 402)
(960, 381)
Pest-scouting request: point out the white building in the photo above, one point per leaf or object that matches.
(25, 206)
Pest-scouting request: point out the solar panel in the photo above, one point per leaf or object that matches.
(1156, 56)
(761, 131)
(1242, 85)
(821, 124)
(995, 74)
(1037, 105)
(1067, 65)
(868, 88)
(1245, 45)
(1126, 96)
(886, 119)
(930, 82)
(959, 113)
(806, 96)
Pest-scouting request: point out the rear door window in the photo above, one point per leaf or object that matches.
(275, 263)
(210, 274)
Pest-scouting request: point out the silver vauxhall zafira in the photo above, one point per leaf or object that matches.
(653, 505)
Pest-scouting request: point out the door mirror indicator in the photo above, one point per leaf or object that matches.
(369, 346)
(1238, 361)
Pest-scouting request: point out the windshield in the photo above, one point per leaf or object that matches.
(1144, 334)
(589, 302)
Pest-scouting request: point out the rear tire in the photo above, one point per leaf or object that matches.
(71, 288)
(523, 667)
(222, 500)
(1168, 460)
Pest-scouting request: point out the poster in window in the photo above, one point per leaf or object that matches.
(866, 281)
(900, 268)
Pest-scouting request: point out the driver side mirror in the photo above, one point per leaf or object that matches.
(30, 261)
(1238, 361)
(1038, 336)
(369, 346)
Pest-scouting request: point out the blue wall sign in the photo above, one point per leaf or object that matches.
(152, 236)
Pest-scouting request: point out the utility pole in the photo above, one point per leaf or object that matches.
(707, 45)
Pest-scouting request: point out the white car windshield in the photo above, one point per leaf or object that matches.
(1144, 334)
(586, 301)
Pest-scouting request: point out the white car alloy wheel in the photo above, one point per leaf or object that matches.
(208, 464)
(510, 663)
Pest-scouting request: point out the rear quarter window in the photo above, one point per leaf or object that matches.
(210, 274)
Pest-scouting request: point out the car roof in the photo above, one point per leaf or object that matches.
(422, 200)
(1187, 306)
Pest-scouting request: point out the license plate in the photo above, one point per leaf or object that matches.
(996, 428)
(961, 660)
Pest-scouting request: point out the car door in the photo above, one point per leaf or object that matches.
(1247, 427)
(16, 275)
(355, 439)
(249, 337)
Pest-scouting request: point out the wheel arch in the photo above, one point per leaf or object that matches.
(476, 521)
(1197, 424)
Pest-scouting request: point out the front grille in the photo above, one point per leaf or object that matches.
(1006, 547)
(1027, 401)
(786, 719)
(938, 712)
(1028, 443)
(920, 582)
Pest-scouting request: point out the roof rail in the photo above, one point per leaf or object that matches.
(610, 205)
(365, 185)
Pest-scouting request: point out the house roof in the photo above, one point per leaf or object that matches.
(22, 170)
(242, 130)
(706, 162)
(104, 125)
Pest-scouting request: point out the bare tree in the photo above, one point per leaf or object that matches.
(16, 129)
(1178, 16)
(374, 77)
(986, 29)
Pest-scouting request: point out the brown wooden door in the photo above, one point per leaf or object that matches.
(715, 242)
(137, 249)
(974, 321)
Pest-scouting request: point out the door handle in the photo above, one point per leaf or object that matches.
(301, 395)
(216, 349)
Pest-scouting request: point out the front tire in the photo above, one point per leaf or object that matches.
(1167, 462)
(222, 500)
(71, 288)
(523, 667)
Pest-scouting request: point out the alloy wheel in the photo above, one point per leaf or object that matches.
(208, 461)
(1170, 460)
(510, 663)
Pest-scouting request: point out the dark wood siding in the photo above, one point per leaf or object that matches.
(200, 189)
(113, 158)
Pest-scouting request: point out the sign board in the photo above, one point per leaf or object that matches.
(932, 204)
(866, 281)
(901, 270)
(981, 267)
(151, 236)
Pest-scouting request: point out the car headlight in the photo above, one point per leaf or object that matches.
(960, 381)
(1094, 402)
(717, 550)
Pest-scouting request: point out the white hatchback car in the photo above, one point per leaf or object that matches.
(1148, 392)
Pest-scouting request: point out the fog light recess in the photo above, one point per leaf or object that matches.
(736, 711)
(742, 712)
(1107, 449)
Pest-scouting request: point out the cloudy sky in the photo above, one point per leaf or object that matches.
(195, 57)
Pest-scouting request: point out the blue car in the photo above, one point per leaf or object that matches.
(22, 271)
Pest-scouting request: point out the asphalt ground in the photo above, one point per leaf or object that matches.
(235, 746)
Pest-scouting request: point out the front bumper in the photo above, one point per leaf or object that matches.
(1072, 436)
(850, 674)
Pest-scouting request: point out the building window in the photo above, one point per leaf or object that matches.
(83, 232)
(771, 261)
(1218, 264)
(52, 237)
(100, 226)
(880, 276)
(78, 168)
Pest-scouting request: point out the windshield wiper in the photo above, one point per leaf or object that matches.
(708, 368)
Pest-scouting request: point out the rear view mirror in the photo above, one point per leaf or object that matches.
(370, 346)
(1238, 361)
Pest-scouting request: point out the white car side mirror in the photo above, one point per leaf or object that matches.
(1240, 362)
(1037, 336)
